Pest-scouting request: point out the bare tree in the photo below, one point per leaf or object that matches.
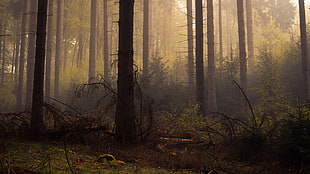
(190, 42)
(105, 39)
(249, 25)
(145, 42)
(92, 42)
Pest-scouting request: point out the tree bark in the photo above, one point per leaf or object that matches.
(242, 52)
(200, 88)
(126, 130)
(49, 51)
(105, 40)
(249, 25)
(220, 35)
(59, 45)
(304, 50)
(20, 88)
(146, 43)
(212, 105)
(3, 30)
(38, 85)
(190, 44)
(92, 44)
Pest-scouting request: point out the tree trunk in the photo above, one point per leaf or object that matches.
(146, 53)
(190, 44)
(92, 44)
(38, 85)
(20, 88)
(212, 105)
(220, 34)
(200, 88)
(3, 30)
(105, 40)
(17, 51)
(59, 44)
(49, 51)
(81, 50)
(31, 52)
(126, 130)
(304, 50)
(249, 25)
(242, 52)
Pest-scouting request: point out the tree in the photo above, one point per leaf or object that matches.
(304, 49)
(242, 52)
(212, 105)
(125, 129)
(38, 85)
(49, 51)
(59, 45)
(249, 26)
(92, 42)
(105, 39)
(145, 42)
(31, 53)
(220, 34)
(200, 88)
(20, 88)
(190, 44)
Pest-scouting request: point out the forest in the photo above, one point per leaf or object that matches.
(154, 86)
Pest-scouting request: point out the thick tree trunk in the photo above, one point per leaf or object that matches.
(20, 88)
(242, 52)
(146, 54)
(212, 105)
(249, 25)
(49, 51)
(59, 45)
(200, 87)
(105, 40)
(38, 85)
(126, 130)
(31, 52)
(92, 44)
(304, 50)
(190, 44)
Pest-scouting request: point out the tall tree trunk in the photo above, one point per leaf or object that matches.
(242, 52)
(126, 130)
(49, 51)
(38, 85)
(92, 44)
(3, 54)
(190, 44)
(105, 40)
(212, 105)
(1, 50)
(146, 53)
(220, 34)
(20, 88)
(17, 50)
(59, 44)
(249, 25)
(81, 50)
(304, 49)
(200, 87)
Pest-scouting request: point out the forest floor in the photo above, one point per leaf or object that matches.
(25, 157)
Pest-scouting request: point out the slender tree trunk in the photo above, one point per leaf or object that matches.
(190, 44)
(200, 88)
(242, 52)
(146, 12)
(304, 50)
(92, 44)
(126, 130)
(20, 88)
(59, 45)
(81, 49)
(17, 49)
(212, 105)
(105, 40)
(38, 85)
(249, 25)
(49, 51)
(3, 54)
(220, 34)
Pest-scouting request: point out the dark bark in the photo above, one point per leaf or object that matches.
(242, 52)
(220, 34)
(212, 105)
(3, 30)
(146, 43)
(200, 87)
(38, 85)
(92, 44)
(59, 45)
(190, 44)
(249, 25)
(31, 52)
(105, 40)
(20, 88)
(304, 50)
(126, 130)
(49, 51)
(17, 51)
